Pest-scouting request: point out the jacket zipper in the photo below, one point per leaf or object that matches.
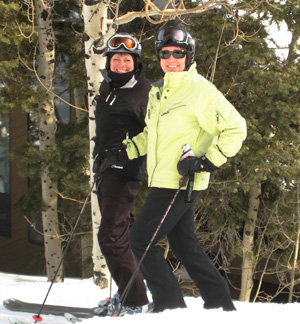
(108, 97)
(166, 112)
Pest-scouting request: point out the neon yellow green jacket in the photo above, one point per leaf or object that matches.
(185, 108)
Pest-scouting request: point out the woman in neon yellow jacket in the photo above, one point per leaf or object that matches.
(183, 108)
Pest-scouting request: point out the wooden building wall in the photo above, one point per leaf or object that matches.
(17, 255)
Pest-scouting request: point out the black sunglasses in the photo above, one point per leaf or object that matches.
(176, 54)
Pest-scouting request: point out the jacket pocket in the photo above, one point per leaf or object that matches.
(172, 110)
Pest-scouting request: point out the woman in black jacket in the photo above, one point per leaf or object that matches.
(120, 113)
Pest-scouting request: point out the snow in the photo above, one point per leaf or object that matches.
(84, 293)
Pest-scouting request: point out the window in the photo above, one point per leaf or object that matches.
(4, 176)
(62, 89)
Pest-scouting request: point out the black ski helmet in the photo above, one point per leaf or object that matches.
(175, 36)
(123, 43)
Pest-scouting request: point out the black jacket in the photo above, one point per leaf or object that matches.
(120, 114)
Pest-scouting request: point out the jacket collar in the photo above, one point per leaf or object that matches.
(131, 83)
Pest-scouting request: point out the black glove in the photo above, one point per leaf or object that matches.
(116, 155)
(193, 164)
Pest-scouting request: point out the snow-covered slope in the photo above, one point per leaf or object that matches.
(83, 293)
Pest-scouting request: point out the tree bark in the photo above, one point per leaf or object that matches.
(95, 28)
(248, 263)
(47, 130)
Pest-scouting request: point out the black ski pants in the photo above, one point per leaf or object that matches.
(180, 230)
(116, 195)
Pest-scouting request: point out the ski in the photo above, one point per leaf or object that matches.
(71, 318)
(16, 305)
(68, 316)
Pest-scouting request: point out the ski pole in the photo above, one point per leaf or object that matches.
(124, 295)
(37, 317)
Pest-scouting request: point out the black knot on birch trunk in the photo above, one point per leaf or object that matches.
(44, 14)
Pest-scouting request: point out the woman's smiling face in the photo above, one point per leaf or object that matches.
(172, 64)
(121, 63)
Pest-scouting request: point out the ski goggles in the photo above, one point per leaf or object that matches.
(127, 41)
(173, 34)
(178, 54)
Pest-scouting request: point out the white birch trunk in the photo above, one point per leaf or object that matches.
(47, 130)
(94, 28)
(248, 263)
